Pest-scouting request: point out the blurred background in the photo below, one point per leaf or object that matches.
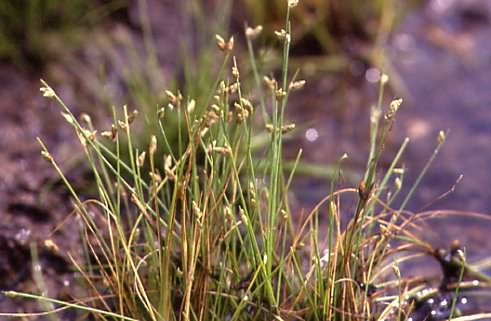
(100, 53)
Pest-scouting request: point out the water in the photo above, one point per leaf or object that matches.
(442, 54)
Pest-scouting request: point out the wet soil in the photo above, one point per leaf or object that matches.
(440, 52)
(32, 202)
(36, 214)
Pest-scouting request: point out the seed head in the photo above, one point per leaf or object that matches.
(235, 72)
(141, 159)
(167, 168)
(242, 115)
(441, 137)
(396, 271)
(110, 134)
(384, 78)
(247, 104)
(85, 118)
(222, 88)
(174, 99)
(170, 95)
(47, 156)
(287, 128)
(106, 134)
(252, 188)
(297, 85)
(292, 3)
(233, 88)
(122, 124)
(197, 210)
(280, 94)
(191, 106)
(155, 177)
(161, 113)
(212, 117)
(225, 150)
(51, 245)
(282, 35)
(252, 33)
(398, 183)
(48, 92)
(393, 107)
(215, 108)
(168, 161)
(225, 46)
(85, 135)
(399, 171)
(284, 214)
(270, 82)
(153, 145)
(67, 117)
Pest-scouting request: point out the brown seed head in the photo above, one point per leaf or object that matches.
(225, 46)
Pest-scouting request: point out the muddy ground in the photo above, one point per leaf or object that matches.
(440, 52)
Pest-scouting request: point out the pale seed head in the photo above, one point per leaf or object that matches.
(441, 137)
(293, 3)
(235, 72)
(161, 113)
(252, 33)
(191, 106)
(384, 78)
(47, 156)
(48, 92)
(141, 159)
(67, 118)
(122, 124)
(398, 183)
(287, 128)
(282, 34)
(393, 107)
(233, 88)
(297, 85)
(270, 82)
(156, 178)
(85, 118)
(280, 94)
(51, 245)
(153, 145)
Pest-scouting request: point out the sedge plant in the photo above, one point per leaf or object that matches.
(206, 231)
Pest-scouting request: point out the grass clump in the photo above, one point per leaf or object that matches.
(36, 31)
(206, 232)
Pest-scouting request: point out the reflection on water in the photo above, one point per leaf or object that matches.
(311, 134)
